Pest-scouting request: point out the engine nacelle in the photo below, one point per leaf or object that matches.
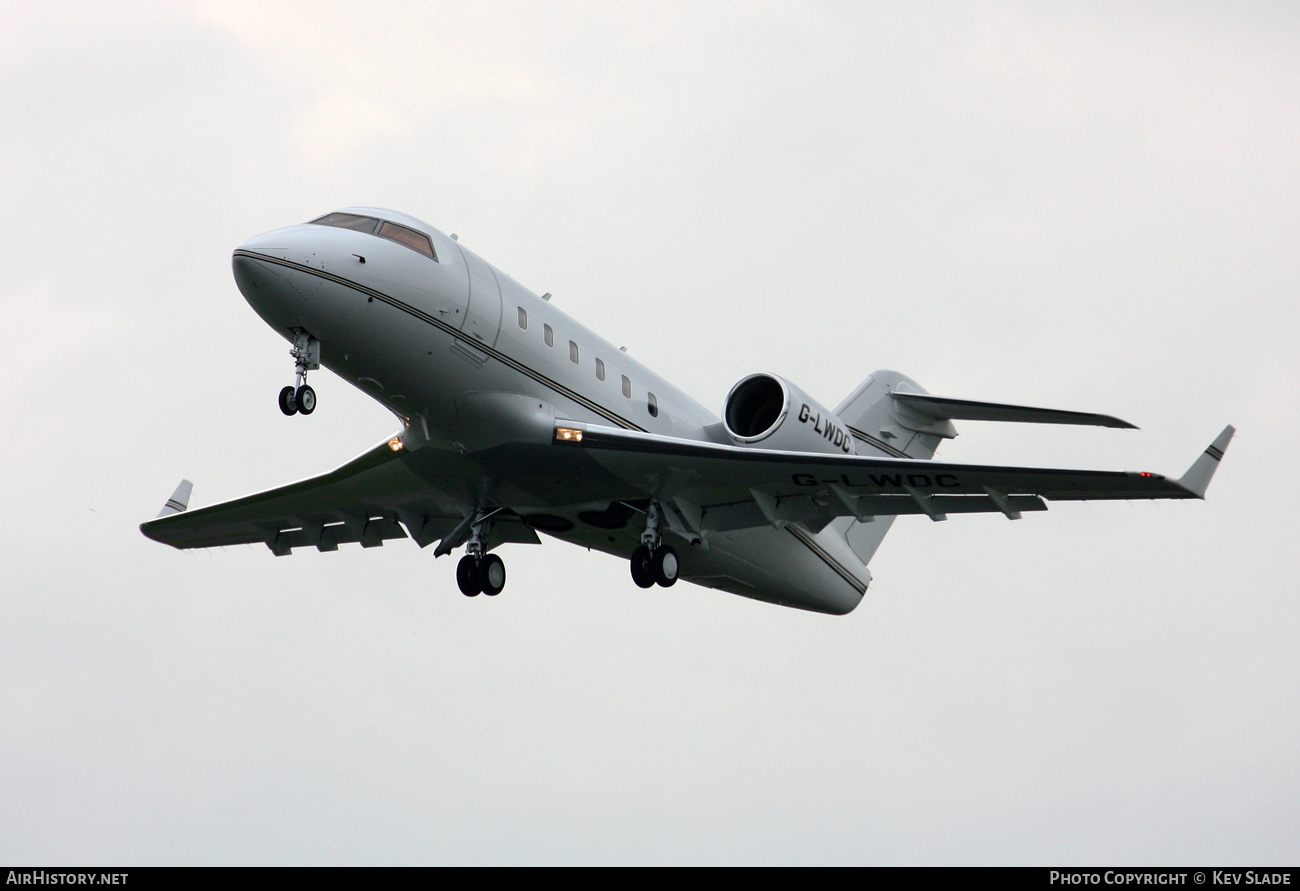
(764, 411)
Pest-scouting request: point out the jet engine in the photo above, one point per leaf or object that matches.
(764, 411)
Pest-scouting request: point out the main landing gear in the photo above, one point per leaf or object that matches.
(654, 562)
(481, 575)
(478, 572)
(300, 398)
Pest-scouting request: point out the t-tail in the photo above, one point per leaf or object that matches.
(891, 415)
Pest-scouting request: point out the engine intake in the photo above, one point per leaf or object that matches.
(768, 412)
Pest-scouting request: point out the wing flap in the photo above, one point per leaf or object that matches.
(328, 537)
(790, 509)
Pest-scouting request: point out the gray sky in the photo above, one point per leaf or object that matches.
(1093, 208)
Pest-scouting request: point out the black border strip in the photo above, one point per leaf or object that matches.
(877, 443)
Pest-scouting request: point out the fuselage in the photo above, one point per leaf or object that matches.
(469, 359)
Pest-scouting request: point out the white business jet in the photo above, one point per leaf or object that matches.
(516, 419)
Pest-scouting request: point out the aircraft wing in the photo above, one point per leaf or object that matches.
(382, 494)
(724, 487)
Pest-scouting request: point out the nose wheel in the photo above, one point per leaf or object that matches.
(299, 401)
(300, 398)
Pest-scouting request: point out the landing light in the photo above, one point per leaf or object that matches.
(568, 434)
(396, 444)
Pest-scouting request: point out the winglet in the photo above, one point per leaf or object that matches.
(179, 501)
(1197, 478)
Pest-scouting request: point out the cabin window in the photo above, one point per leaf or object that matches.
(600, 370)
(523, 319)
(416, 241)
(573, 352)
(627, 387)
(652, 405)
(548, 335)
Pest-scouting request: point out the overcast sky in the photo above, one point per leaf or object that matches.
(1094, 207)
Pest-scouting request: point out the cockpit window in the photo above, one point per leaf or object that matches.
(401, 234)
(349, 221)
(415, 240)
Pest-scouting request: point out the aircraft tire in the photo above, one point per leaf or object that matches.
(640, 565)
(305, 399)
(288, 404)
(491, 575)
(664, 566)
(467, 576)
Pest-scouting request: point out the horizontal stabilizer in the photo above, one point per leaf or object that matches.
(179, 501)
(941, 408)
(1197, 478)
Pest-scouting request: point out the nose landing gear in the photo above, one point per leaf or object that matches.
(300, 398)
(299, 401)
(654, 562)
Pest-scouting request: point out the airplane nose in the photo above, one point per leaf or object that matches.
(290, 276)
(267, 285)
(279, 244)
(256, 278)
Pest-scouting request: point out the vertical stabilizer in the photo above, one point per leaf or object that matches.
(881, 426)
